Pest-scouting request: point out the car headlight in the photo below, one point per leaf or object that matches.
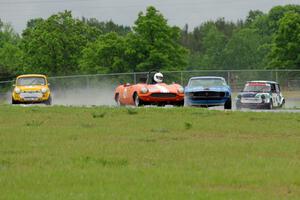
(144, 90)
(180, 90)
(44, 90)
(17, 90)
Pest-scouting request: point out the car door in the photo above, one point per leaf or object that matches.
(124, 93)
(274, 95)
(279, 95)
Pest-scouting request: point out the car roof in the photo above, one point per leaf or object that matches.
(31, 75)
(269, 82)
(204, 77)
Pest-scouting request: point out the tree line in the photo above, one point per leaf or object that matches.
(64, 45)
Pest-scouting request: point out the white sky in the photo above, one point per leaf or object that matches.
(178, 12)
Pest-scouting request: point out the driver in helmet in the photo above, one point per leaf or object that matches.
(158, 78)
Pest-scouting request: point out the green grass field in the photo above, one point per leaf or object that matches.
(147, 153)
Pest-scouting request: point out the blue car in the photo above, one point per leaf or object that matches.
(206, 91)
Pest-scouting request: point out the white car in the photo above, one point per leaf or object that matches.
(260, 95)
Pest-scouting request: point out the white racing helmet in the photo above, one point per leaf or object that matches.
(158, 77)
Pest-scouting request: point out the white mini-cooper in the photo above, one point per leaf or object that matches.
(260, 94)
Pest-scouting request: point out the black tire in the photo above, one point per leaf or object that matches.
(48, 102)
(13, 101)
(117, 99)
(228, 104)
(137, 101)
(270, 105)
(180, 103)
(283, 102)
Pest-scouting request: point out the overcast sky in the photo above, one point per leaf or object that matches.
(178, 12)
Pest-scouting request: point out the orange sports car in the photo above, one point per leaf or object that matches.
(153, 92)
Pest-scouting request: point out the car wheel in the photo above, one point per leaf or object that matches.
(137, 101)
(13, 101)
(180, 103)
(117, 99)
(228, 104)
(270, 105)
(48, 102)
(282, 104)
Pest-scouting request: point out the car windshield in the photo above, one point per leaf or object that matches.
(207, 82)
(257, 88)
(31, 81)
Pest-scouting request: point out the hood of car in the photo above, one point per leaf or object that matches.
(214, 89)
(161, 88)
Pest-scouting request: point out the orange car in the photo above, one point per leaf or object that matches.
(153, 92)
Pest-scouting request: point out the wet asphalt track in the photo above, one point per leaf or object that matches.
(291, 110)
(292, 105)
(285, 110)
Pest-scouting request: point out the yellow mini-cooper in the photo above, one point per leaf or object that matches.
(31, 88)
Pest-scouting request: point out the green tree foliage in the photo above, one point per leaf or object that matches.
(214, 42)
(245, 50)
(286, 48)
(105, 55)
(207, 42)
(107, 27)
(277, 13)
(63, 45)
(53, 46)
(10, 53)
(241, 45)
(252, 16)
(154, 44)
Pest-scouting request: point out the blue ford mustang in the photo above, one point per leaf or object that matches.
(207, 91)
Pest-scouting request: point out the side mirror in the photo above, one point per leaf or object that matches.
(48, 84)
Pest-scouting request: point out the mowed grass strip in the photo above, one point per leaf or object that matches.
(147, 153)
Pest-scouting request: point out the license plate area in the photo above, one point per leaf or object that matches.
(31, 96)
(251, 100)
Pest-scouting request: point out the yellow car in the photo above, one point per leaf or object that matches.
(31, 88)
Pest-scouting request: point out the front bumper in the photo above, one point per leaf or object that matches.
(206, 102)
(30, 99)
(252, 105)
(161, 98)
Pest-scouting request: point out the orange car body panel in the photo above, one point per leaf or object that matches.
(157, 93)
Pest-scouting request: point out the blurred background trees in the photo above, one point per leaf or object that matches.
(64, 45)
